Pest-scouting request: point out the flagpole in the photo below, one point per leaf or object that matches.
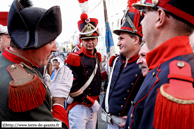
(105, 11)
(105, 20)
(108, 37)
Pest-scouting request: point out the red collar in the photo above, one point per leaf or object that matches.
(169, 49)
(132, 59)
(86, 52)
(13, 57)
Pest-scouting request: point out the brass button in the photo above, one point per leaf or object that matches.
(127, 90)
(153, 74)
(121, 105)
(89, 94)
(85, 66)
(132, 84)
(125, 98)
(86, 71)
(82, 57)
(136, 75)
(131, 116)
(13, 66)
(89, 88)
(132, 103)
(119, 114)
(180, 64)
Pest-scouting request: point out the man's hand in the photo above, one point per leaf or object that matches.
(123, 124)
(61, 83)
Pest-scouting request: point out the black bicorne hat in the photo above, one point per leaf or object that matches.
(32, 27)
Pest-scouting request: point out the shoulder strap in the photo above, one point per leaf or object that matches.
(175, 99)
(74, 59)
(108, 87)
(26, 91)
(91, 76)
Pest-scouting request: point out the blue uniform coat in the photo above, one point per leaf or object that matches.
(141, 114)
(125, 84)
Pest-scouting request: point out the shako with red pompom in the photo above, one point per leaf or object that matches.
(84, 17)
(131, 21)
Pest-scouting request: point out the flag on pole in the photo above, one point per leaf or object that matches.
(110, 49)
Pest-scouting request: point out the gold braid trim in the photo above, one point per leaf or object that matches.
(89, 27)
(170, 97)
(77, 93)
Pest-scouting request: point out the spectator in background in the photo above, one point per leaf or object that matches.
(104, 67)
(4, 36)
(65, 60)
(103, 63)
(56, 63)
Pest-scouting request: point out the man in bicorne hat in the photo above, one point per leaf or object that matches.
(126, 78)
(24, 94)
(4, 36)
(85, 64)
(166, 98)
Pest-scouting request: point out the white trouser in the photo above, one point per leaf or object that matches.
(82, 117)
(114, 126)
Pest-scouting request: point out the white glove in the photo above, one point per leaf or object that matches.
(96, 106)
(3, 29)
(62, 82)
(47, 79)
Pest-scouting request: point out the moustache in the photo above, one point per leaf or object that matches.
(142, 66)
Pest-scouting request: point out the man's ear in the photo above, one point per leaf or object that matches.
(136, 39)
(160, 18)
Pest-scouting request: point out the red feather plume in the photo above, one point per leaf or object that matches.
(130, 2)
(82, 1)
